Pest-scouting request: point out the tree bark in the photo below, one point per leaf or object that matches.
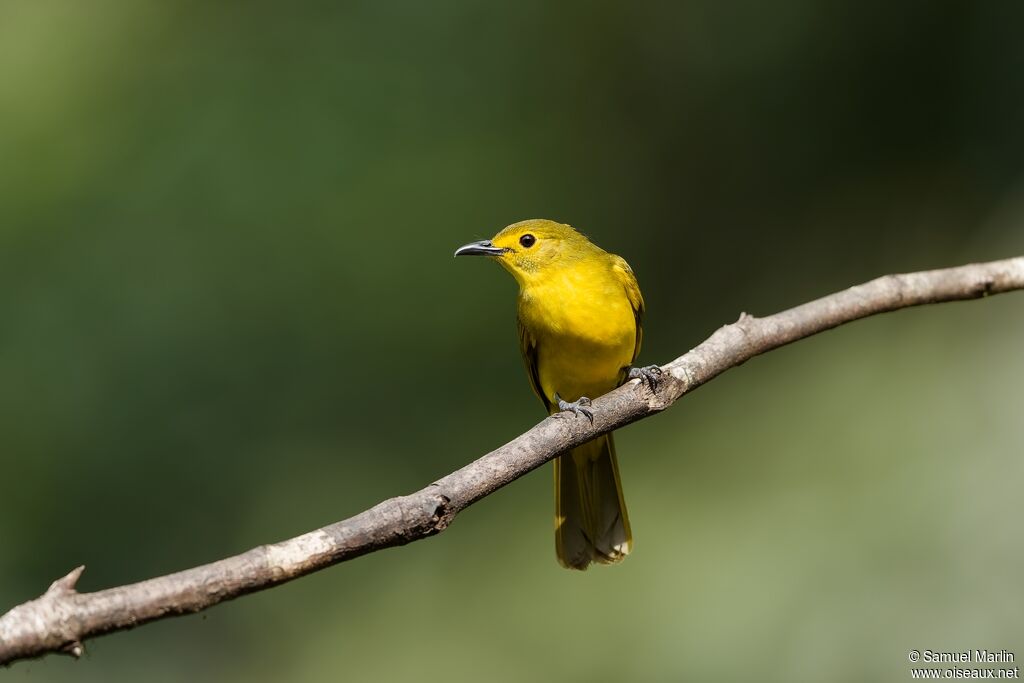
(63, 618)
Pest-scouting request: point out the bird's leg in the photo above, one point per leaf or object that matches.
(578, 407)
(649, 374)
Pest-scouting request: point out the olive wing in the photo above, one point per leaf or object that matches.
(528, 347)
(624, 274)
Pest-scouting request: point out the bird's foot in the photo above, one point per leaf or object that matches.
(578, 407)
(649, 375)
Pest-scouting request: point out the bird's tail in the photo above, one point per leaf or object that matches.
(591, 524)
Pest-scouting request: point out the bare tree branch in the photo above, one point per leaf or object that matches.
(62, 618)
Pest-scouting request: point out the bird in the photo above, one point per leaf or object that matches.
(580, 321)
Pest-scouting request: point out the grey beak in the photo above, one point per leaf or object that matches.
(481, 248)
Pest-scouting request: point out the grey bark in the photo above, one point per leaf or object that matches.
(63, 618)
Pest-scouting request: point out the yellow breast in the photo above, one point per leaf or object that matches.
(584, 326)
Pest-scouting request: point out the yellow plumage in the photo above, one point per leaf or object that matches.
(579, 317)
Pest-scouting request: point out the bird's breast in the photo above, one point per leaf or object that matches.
(585, 331)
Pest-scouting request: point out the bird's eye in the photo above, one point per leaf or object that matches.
(527, 240)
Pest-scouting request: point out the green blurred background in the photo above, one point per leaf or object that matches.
(230, 315)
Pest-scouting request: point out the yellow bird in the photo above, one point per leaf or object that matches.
(580, 315)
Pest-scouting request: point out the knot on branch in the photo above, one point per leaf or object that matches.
(444, 513)
(985, 287)
(57, 596)
(422, 514)
(48, 622)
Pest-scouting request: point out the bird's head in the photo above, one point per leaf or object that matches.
(529, 249)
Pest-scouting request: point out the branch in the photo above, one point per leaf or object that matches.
(62, 618)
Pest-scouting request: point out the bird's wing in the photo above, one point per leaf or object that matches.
(625, 275)
(528, 347)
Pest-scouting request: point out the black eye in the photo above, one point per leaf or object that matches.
(527, 240)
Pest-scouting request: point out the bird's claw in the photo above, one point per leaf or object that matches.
(649, 375)
(578, 407)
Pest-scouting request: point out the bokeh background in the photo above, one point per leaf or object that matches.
(230, 315)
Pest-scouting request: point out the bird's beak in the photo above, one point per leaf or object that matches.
(481, 248)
